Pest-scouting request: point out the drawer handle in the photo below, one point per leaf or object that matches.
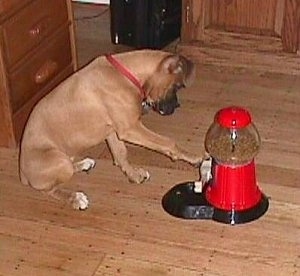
(38, 29)
(35, 31)
(46, 71)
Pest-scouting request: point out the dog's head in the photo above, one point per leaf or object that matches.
(173, 72)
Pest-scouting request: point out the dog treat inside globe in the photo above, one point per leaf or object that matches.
(238, 151)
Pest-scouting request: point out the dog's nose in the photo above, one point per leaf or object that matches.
(167, 107)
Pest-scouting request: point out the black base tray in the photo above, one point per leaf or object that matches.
(183, 202)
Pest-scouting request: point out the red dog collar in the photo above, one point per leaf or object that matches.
(126, 72)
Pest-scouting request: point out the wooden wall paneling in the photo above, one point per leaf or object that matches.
(263, 16)
(246, 16)
(232, 11)
(194, 20)
(201, 17)
(185, 21)
(185, 24)
(218, 13)
(279, 15)
(291, 24)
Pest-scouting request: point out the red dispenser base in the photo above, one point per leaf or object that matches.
(233, 188)
(183, 202)
(234, 194)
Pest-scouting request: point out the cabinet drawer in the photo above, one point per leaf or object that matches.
(5, 6)
(50, 59)
(30, 26)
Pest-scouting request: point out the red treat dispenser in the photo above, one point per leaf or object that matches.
(233, 141)
(231, 194)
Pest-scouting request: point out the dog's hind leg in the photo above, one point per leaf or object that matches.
(52, 168)
(119, 153)
(78, 200)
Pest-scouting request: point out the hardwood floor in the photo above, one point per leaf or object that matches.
(125, 230)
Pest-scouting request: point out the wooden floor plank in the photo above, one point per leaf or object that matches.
(200, 250)
(23, 256)
(127, 217)
(113, 265)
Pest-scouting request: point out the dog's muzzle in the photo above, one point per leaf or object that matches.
(168, 105)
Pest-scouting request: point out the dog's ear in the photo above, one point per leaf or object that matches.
(172, 64)
(189, 70)
(180, 66)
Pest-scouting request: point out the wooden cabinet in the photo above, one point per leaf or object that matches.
(275, 18)
(37, 51)
(254, 35)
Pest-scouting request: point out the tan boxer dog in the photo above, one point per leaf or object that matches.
(102, 101)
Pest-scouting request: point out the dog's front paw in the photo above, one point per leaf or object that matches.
(137, 175)
(84, 165)
(88, 164)
(80, 201)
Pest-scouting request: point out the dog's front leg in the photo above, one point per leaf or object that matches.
(119, 153)
(140, 135)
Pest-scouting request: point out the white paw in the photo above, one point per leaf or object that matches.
(138, 175)
(198, 186)
(80, 201)
(143, 175)
(147, 177)
(205, 171)
(87, 164)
